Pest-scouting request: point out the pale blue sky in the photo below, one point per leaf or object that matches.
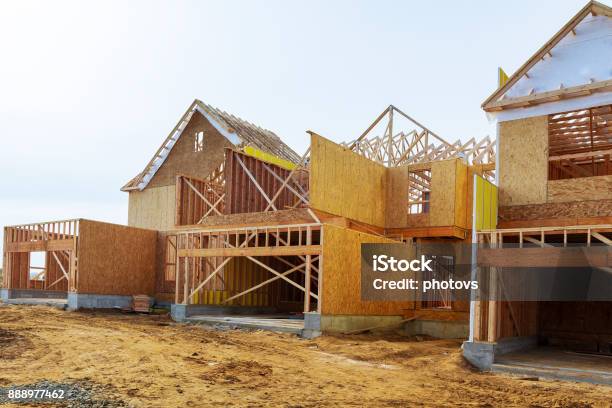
(88, 90)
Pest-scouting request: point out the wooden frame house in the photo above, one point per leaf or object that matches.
(246, 226)
(554, 177)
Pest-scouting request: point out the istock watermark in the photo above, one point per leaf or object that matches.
(439, 273)
(385, 263)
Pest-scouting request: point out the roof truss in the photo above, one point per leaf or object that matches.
(395, 148)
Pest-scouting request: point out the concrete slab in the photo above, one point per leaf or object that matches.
(58, 303)
(263, 322)
(180, 312)
(557, 364)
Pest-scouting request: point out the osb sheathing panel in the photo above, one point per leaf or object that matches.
(442, 207)
(115, 259)
(293, 216)
(469, 192)
(342, 275)
(574, 209)
(346, 184)
(152, 208)
(418, 220)
(523, 161)
(461, 194)
(184, 160)
(579, 189)
(396, 197)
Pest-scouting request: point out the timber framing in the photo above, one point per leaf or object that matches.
(494, 319)
(202, 257)
(419, 145)
(55, 238)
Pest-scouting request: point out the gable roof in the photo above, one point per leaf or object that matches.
(519, 90)
(239, 132)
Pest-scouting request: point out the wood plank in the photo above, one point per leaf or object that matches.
(35, 246)
(252, 251)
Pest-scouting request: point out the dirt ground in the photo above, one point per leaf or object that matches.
(149, 361)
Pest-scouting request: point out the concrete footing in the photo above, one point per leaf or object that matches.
(6, 294)
(434, 328)
(180, 313)
(78, 301)
(345, 323)
(437, 328)
(312, 325)
(482, 354)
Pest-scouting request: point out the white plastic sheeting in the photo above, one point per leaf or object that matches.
(576, 60)
(231, 136)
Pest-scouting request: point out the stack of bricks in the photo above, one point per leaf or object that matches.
(141, 303)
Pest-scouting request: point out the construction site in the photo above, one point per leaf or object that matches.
(254, 251)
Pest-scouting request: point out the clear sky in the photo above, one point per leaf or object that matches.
(89, 90)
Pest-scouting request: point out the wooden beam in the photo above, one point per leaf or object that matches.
(601, 238)
(60, 265)
(36, 246)
(252, 251)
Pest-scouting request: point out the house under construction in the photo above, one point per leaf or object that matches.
(554, 177)
(228, 224)
(227, 220)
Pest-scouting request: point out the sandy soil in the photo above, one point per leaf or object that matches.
(148, 361)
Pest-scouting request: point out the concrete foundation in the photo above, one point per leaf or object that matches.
(345, 323)
(78, 301)
(180, 312)
(483, 354)
(437, 328)
(433, 328)
(312, 325)
(6, 294)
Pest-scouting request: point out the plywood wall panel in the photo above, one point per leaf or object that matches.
(115, 259)
(443, 186)
(396, 211)
(342, 275)
(523, 161)
(580, 189)
(557, 211)
(461, 195)
(152, 208)
(184, 160)
(346, 184)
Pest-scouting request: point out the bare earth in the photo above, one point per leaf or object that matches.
(149, 361)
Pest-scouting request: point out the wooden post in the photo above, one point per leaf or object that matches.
(186, 283)
(493, 303)
(308, 270)
(320, 274)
